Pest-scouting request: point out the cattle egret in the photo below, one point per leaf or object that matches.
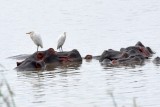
(61, 41)
(36, 39)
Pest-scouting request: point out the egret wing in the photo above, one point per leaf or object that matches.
(38, 41)
(61, 41)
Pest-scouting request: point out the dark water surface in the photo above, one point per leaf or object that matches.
(92, 26)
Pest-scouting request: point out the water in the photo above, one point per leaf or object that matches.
(92, 26)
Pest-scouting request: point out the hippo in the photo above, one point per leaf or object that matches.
(41, 59)
(131, 55)
(110, 54)
(156, 60)
(88, 57)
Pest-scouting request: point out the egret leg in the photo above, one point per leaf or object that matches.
(61, 49)
(37, 49)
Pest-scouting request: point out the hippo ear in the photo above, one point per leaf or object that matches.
(139, 44)
(150, 50)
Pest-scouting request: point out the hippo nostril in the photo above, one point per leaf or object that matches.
(40, 56)
(19, 63)
(38, 65)
(114, 62)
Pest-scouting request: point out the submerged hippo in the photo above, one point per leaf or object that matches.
(39, 61)
(156, 60)
(131, 55)
(126, 56)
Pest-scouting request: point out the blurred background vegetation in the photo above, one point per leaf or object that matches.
(6, 93)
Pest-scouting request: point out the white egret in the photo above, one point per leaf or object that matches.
(61, 41)
(36, 39)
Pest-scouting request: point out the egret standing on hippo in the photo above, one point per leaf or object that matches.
(61, 41)
(36, 39)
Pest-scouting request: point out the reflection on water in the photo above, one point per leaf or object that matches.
(87, 84)
(49, 81)
(70, 66)
(64, 69)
